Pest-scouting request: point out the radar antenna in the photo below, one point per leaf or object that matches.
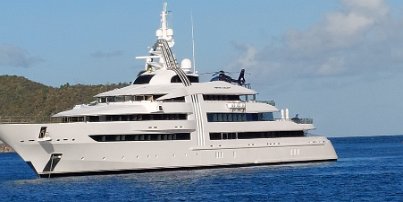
(164, 32)
(193, 44)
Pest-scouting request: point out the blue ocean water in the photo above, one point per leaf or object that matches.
(368, 169)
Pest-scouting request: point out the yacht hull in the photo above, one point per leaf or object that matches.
(69, 150)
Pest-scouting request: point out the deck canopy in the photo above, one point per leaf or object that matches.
(105, 109)
(175, 90)
(141, 90)
(209, 88)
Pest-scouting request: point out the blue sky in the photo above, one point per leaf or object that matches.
(338, 61)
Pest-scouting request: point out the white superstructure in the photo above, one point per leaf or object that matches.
(166, 119)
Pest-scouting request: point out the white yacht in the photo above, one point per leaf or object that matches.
(167, 119)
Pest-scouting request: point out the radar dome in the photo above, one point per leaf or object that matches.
(186, 65)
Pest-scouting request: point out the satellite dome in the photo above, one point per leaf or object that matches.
(186, 65)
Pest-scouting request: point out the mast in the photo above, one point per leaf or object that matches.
(193, 45)
(160, 55)
(155, 59)
(164, 32)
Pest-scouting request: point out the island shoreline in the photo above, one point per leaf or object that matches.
(5, 148)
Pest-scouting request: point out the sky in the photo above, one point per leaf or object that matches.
(339, 62)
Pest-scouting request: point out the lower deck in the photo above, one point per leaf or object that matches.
(109, 157)
(89, 148)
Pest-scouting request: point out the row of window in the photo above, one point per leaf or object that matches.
(125, 98)
(229, 97)
(186, 136)
(141, 137)
(129, 117)
(221, 97)
(255, 135)
(239, 117)
(211, 117)
(144, 79)
(192, 79)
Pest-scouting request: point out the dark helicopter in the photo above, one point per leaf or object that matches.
(221, 76)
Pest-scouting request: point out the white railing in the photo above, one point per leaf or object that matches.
(23, 119)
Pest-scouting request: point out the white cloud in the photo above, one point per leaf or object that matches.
(342, 28)
(360, 38)
(372, 6)
(14, 56)
(346, 25)
(248, 55)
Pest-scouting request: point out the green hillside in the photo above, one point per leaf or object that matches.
(20, 97)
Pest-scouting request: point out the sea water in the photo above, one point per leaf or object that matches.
(368, 169)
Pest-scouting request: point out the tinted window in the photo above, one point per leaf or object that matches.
(143, 79)
(221, 97)
(141, 137)
(239, 117)
(192, 79)
(255, 135)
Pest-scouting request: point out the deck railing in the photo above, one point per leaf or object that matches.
(302, 120)
(24, 119)
(298, 120)
(270, 102)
